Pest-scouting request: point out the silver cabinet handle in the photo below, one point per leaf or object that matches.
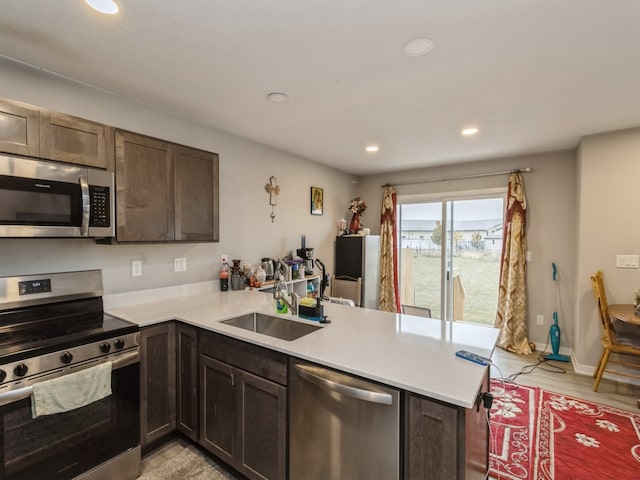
(358, 393)
(86, 206)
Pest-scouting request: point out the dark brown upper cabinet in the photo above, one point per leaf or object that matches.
(164, 192)
(74, 140)
(196, 194)
(19, 127)
(32, 131)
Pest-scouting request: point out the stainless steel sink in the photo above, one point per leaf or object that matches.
(276, 327)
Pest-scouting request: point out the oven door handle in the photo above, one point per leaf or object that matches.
(86, 206)
(13, 396)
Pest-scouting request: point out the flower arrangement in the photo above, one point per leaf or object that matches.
(357, 206)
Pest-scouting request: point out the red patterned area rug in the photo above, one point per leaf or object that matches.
(540, 435)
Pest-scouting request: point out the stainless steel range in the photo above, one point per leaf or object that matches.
(55, 343)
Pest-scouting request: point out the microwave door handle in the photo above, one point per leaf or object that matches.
(86, 206)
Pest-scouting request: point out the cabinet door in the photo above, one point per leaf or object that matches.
(75, 140)
(187, 380)
(157, 382)
(196, 190)
(263, 428)
(144, 189)
(219, 408)
(432, 440)
(19, 128)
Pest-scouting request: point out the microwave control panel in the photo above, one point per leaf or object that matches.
(100, 210)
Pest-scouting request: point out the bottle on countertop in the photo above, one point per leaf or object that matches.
(224, 277)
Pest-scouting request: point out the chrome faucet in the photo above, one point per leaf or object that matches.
(280, 292)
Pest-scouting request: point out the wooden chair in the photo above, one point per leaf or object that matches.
(417, 311)
(619, 342)
(347, 287)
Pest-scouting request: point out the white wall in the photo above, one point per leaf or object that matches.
(551, 223)
(246, 230)
(608, 174)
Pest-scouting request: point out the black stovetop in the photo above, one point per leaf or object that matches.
(31, 331)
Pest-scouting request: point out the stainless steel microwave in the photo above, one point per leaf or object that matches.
(50, 199)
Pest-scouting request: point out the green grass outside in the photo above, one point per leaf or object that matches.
(479, 273)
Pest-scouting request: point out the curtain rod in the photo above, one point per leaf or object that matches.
(461, 177)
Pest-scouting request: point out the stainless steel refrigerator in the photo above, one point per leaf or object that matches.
(359, 256)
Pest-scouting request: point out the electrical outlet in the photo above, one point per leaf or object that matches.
(540, 319)
(224, 259)
(180, 264)
(136, 268)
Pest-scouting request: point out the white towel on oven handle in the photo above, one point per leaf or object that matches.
(71, 391)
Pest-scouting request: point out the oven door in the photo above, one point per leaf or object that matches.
(66, 445)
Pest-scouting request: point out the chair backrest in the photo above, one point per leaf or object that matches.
(597, 283)
(347, 287)
(417, 311)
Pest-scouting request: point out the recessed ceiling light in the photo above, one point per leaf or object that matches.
(470, 131)
(418, 47)
(109, 7)
(372, 148)
(277, 97)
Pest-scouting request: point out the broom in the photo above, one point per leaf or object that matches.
(554, 331)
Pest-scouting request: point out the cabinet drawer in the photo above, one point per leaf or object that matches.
(251, 358)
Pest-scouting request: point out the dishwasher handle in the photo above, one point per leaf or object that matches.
(358, 393)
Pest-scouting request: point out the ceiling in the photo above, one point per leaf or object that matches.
(532, 75)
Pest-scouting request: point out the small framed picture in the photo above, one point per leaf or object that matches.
(317, 201)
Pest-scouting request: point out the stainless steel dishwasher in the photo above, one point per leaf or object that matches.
(341, 427)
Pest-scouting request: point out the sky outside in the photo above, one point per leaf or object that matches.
(463, 210)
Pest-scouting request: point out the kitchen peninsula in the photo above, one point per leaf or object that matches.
(412, 354)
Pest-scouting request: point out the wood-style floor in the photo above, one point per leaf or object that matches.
(546, 376)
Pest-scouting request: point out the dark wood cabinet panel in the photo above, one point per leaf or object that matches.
(260, 361)
(157, 382)
(165, 192)
(196, 190)
(219, 408)
(445, 441)
(144, 189)
(19, 127)
(243, 415)
(187, 380)
(432, 445)
(263, 428)
(74, 140)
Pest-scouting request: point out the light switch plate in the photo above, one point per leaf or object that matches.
(136, 268)
(180, 264)
(627, 261)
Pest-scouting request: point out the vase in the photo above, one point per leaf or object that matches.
(354, 225)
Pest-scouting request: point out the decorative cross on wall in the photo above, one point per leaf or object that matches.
(273, 189)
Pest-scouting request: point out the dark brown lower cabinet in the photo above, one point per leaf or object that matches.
(157, 382)
(445, 441)
(243, 419)
(187, 400)
(243, 413)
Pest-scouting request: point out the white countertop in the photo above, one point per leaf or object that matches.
(411, 353)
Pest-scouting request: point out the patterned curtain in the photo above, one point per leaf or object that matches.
(511, 318)
(388, 293)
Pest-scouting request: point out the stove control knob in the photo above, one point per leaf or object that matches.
(105, 347)
(3, 375)
(21, 370)
(119, 344)
(66, 357)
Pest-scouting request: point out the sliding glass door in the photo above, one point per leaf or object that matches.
(450, 255)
